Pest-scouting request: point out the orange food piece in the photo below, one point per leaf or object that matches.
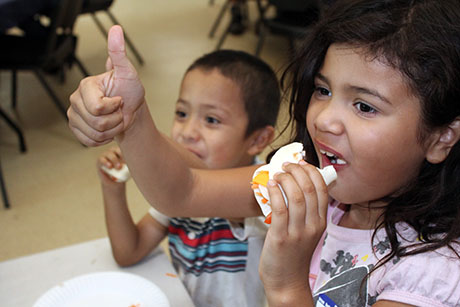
(261, 178)
(171, 275)
(268, 219)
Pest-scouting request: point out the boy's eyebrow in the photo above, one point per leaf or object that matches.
(358, 89)
(205, 105)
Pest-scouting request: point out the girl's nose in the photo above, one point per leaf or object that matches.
(330, 118)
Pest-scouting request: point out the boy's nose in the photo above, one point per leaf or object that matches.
(190, 131)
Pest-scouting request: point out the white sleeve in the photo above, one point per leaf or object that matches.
(252, 227)
(160, 217)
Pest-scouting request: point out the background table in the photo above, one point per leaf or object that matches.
(23, 280)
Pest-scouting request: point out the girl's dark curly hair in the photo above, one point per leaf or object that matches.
(421, 39)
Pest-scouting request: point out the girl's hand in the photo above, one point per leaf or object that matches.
(293, 234)
(112, 158)
(104, 106)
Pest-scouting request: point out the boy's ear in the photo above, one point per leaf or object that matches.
(443, 141)
(260, 139)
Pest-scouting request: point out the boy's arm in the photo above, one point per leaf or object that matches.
(112, 105)
(130, 242)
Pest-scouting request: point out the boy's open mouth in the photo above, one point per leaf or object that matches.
(332, 158)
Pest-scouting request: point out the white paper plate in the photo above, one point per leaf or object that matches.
(104, 289)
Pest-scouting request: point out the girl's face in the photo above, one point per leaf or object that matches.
(211, 120)
(363, 119)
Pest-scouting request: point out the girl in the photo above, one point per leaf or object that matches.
(374, 93)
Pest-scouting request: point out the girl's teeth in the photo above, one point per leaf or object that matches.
(332, 157)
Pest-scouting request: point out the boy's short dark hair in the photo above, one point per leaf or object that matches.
(258, 84)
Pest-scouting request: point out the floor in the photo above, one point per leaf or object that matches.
(53, 188)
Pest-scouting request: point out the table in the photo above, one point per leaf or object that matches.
(23, 280)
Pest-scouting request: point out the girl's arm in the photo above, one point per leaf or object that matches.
(172, 187)
(112, 106)
(130, 242)
(293, 235)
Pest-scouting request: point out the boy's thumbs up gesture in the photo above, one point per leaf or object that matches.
(103, 106)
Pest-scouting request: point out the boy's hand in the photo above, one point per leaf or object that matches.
(104, 106)
(112, 158)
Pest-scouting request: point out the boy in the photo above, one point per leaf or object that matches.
(218, 119)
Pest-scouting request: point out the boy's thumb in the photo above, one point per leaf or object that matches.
(118, 60)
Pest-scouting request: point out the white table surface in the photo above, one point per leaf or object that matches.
(23, 280)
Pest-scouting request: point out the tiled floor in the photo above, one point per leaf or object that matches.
(53, 188)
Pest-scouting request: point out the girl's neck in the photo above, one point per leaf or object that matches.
(362, 216)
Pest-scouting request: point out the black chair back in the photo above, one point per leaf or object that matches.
(91, 6)
(294, 5)
(62, 22)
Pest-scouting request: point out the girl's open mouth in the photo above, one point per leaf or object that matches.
(333, 159)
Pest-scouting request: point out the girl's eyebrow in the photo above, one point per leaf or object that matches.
(358, 89)
(322, 78)
(365, 90)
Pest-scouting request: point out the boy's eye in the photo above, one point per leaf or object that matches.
(365, 108)
(180, 114)
(212, 120)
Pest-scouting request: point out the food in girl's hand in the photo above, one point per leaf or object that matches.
(118, 175)
(292, 153)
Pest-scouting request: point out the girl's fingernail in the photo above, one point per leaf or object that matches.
(286, 163)
(302, 162)
(271, 183)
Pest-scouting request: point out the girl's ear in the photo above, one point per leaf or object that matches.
(443, 142)
(260, 139)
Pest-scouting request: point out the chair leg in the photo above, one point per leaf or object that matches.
(261, 40)
(56, 100)
(127, 39)
(219, 18)
(12, 124)
(14, 87)
(80, 66)
(6, 202)
(222, 38)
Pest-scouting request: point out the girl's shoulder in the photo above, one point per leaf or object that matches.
(433, 277)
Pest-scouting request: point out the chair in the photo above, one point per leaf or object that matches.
(41, 55)
(94, 6)
(6, 202)
(292, 19)
(227, 6)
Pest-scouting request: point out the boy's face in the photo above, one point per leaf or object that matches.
(363, 112)
(211, 120)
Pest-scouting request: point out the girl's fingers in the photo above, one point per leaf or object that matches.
(86, 140)
(279, 215)
(314, 191)
(295, 197)
(90, 136)
(93, 95)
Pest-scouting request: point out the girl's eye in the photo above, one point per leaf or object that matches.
(212, 120)
(323, 91)
(365, 108)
